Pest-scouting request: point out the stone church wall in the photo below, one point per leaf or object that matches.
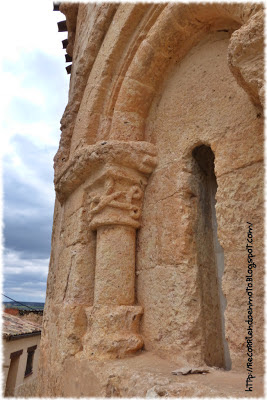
(158, 172)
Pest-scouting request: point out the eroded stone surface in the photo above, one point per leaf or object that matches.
(132, 276)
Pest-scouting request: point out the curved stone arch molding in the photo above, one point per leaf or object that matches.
(178, 28)
(157, 34)
(88, 119)
(83, 61)
(122, 40)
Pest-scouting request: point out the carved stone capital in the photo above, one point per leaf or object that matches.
(133, 160)
(115, 197)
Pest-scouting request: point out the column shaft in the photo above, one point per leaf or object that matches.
(115, 265)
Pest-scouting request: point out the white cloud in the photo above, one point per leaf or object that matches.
(31, 31)
(25, 279)
(13, 85)
(29, 24)
(34, 91)
(15, 264)
(27, 161)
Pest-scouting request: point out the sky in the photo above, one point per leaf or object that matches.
(34, 93)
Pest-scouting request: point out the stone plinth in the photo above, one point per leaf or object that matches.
(112, 331)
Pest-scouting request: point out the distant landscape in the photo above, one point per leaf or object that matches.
(24, 305)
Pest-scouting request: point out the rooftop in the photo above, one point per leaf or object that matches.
(14, 327)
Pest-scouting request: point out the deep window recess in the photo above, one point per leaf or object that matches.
(29, 365)
(210, 258)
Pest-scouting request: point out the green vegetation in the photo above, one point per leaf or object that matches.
(35, 306)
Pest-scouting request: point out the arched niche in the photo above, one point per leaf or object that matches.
(200, 103)
(210, 260)
(127, 67)
(177, 29)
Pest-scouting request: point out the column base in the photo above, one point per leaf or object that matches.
(112, 332)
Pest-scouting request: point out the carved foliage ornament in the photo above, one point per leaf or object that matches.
(121, 199)
(117, 201)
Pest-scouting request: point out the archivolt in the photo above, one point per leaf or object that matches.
(129, 26)
(139, 45)
(176, 30)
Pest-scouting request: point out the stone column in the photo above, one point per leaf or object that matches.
(115, 265)
(113, 175)
(114, 197)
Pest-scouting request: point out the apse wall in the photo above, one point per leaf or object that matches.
(199, 103)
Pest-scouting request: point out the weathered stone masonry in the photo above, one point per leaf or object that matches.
(116, 175)
(140, 258)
